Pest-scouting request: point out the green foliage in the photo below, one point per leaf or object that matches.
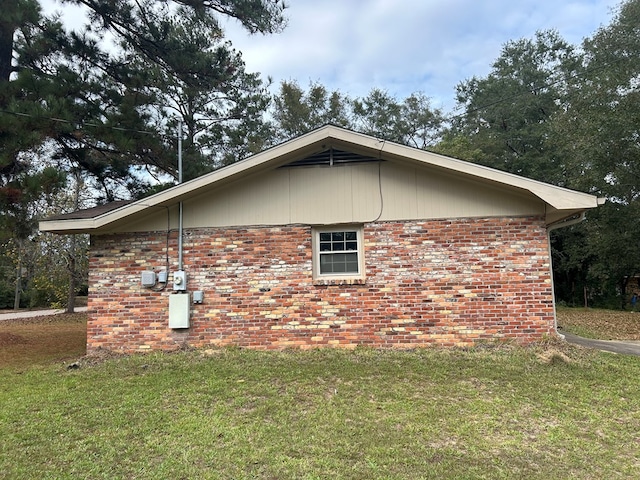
(45, 264)
(598, 131)
(296, 112)
(46, 291)
(460, 146)
(111, 112)
(507, 114)
(568, 116)
(201, 81)
(74, 110)
(7, 277)
(19, 196)
(411, 121)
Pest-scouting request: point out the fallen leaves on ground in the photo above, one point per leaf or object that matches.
(602, 324)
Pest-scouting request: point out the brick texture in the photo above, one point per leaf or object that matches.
(449, 283)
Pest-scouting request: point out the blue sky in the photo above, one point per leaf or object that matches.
(401, 46)
(405, 46)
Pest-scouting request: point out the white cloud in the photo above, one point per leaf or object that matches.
(404, 46)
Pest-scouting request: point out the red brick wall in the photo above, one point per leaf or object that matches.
(436, 282)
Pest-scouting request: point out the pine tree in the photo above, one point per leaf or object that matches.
(101, 101)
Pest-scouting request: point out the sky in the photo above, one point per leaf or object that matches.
(406, 46)
(403, 46)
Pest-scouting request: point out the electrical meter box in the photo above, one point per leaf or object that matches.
(179, 310)
(180, 280)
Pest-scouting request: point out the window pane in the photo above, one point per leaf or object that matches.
(338, 252)
(339, 263)
(338, 257)
(326, 266)
(339, 267)
(351, 262)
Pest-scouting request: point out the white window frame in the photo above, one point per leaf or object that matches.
(315, 246)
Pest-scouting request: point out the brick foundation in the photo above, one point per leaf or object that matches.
(449, 283)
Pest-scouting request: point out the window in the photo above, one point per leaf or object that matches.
(338, 253)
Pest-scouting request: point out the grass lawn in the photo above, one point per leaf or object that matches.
(550, 411)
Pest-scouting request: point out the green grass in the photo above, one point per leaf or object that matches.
(547, 412)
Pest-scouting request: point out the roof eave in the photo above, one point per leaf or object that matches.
(67, 226)
(311, 142)
(559, 199)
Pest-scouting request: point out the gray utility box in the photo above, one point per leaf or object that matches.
(179, 310)
(198, 296)
(148, 279)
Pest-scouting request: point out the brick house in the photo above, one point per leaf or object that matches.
(331, 239)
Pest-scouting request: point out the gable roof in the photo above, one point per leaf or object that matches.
(91, 212)
(561, 202)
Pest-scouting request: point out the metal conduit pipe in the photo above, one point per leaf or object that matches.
(180, 206)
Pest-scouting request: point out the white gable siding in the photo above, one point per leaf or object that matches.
(345, 194)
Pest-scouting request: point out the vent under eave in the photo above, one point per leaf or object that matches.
(331, 157)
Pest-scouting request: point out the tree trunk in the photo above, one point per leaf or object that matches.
(71, 295)
(623, 292)
(586, 303)
(73, 252)
(16, 297)
(7, 30)
(6, 50)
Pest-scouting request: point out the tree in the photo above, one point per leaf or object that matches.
(410, 122)
(568, 116)
(599, 130)
(195, 76)
(112, 106)
(18, 200)
(296, 112)
(508, 122)
(72, 249)
(604, 112)
(104, 113)
(506, 115)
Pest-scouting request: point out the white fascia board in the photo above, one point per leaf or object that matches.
(317, 140)
(67, 226)
(174, 194)
(558, 197)
(179, 192)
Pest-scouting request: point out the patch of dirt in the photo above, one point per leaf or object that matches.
(60, 318)
(7, 339)
(42, 340)
(554, 355)
(98, 356)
